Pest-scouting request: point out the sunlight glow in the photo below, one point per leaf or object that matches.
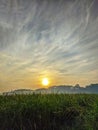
(45, 81)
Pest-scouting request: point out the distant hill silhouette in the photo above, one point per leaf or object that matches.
(92, 88)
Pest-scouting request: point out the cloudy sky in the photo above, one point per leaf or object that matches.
(57, 39)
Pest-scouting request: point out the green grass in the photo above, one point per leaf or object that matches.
(49, 112)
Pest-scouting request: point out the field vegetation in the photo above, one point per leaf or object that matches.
(49, 112)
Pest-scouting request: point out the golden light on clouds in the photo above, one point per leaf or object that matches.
(59, 46)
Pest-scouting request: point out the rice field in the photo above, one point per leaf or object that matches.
(49, 112)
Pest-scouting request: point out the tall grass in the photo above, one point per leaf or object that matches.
(49, 112)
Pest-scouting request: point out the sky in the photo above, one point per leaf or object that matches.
(57, 39)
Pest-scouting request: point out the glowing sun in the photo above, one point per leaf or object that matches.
(45, 81)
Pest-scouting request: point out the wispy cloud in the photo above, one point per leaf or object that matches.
(38, 38)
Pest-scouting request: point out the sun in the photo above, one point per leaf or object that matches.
(45, 81)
